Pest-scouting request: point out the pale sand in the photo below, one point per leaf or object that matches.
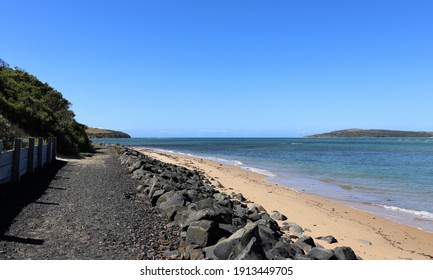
(371, 237)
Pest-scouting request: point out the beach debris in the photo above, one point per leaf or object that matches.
(329, 238)
(366, 242)
(214, 225)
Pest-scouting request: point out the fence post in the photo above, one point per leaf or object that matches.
(49, 147)
(54, 148)
(16, 160)
(40, 150)
(31, 156)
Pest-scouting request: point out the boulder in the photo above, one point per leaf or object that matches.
(176, 199)
(241, 245)
(306, 243)
(345, 253)
(321, 254)
(281, 251)
(256, 207)
(202, 233)
(278, 216)
(155, 196)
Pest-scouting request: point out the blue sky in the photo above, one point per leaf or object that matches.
(230, 68)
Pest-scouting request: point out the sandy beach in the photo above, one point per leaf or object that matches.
(370, 236)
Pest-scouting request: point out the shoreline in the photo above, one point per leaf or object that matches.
(371, 236)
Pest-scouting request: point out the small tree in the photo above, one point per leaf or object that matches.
(3, 63)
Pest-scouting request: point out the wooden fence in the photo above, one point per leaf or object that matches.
(19, 161)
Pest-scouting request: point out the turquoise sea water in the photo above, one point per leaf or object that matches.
(390, 177)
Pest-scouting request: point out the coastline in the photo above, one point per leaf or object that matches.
(371, 237)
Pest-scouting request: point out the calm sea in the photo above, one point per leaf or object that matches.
(390, 177)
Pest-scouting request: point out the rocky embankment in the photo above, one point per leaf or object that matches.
(215, 225)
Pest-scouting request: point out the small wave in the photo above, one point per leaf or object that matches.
(295, 143)
(422, 214)
(226, 161)
(260, 171)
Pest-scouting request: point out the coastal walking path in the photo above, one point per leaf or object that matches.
(87, 210)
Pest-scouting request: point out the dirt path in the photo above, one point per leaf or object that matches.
(87, 211)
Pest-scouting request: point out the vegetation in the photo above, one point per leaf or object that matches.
(371, 133)
(105, 133)
(29, 107)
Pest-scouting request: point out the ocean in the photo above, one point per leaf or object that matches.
(390, 177)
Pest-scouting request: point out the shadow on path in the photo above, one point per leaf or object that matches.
(15, 196)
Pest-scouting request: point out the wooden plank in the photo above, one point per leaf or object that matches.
(40, 152)
(49, 150)
(23, 161)
(35, 159)
(44, 154)
(31, 155)
(16, 160)
(6, 158)
(6, 171)
(54, 148)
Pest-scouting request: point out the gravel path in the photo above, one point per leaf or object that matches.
(89, 211)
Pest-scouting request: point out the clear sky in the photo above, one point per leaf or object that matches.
(230, 68)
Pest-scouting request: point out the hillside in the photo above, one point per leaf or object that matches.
(105, 133)
(371, 133)
(29, 107)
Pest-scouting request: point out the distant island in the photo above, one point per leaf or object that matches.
(105, 133)
(372, 133)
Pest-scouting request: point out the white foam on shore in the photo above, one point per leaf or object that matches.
(422, 214)
(260, 171)
(232, 162)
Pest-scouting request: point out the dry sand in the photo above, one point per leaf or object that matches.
(370, 236)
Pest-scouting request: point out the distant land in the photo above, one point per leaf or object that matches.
(372, 133)
(105, 133)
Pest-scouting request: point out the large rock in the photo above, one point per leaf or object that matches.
(241, 245)
(278, 216)
(321, 254)
(281, 251)
(202, 233)
(345, 253)
(306, 243)
(176, 199)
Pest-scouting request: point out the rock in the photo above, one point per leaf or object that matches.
(208, 253)
(306, 243)
(255, 207)
(330, 239)
(241, 211)
(164, 197)
(252, 251)
(239, 222)
(135, 166)
(219, 197)
(345, 253)
(268, 238)
(227, 229)
(241, 245)
(175, 200)
(321, 254)
(278, 216)
(172, 211)
(294, 228)
(281, 251)
(156, 195)
(205, 203)
(202, 233)
(239, 197)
